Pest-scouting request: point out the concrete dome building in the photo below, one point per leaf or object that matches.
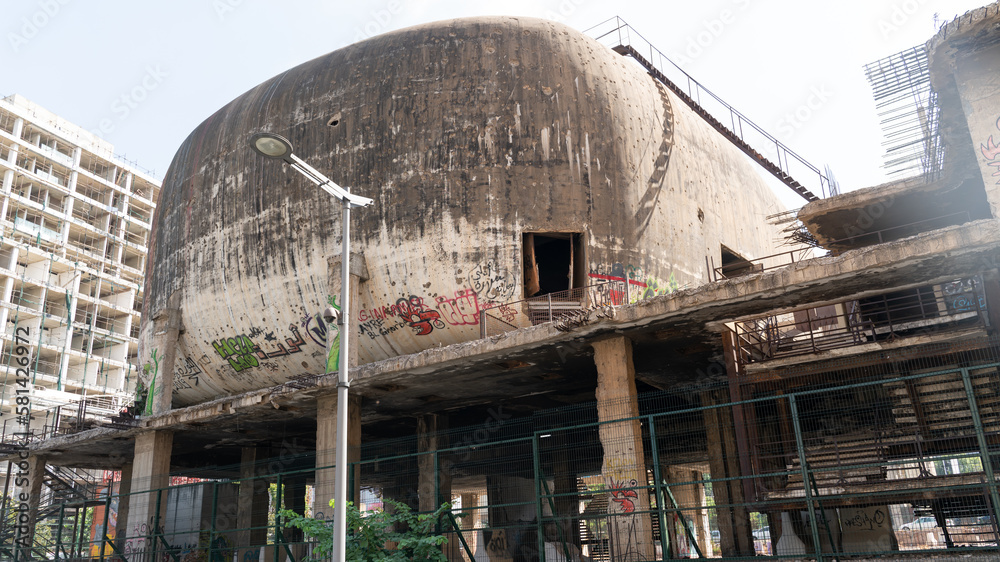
(507, 157)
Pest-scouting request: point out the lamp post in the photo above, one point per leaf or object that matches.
(278, 147)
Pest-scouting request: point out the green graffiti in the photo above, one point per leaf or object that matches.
(333, 353)
(154, 368)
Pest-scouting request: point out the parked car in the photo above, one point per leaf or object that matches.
(926, 522)
(762, 534)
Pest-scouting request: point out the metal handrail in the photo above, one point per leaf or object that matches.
(553, 306)
(756, 265)
(764, 338)
(739, 125)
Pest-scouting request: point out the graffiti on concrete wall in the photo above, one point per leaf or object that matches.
(964, 295)
(152, 368)
(421, 317)
(460, 310)
(243, 352)
(641, 286)
(492, 282)
(991, 152)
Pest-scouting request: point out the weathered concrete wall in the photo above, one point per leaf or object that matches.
(467, 134)
(965, 62)
(977, 74)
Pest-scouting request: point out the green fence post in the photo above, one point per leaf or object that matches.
(555, 515)
(984, 452)
(59, 530)
(437, 492)
(104, 533)
(211, 528)
(277, 519)
(537, 461)
(800, 446)
(657, 490)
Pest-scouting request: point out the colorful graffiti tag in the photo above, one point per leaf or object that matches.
(640, 285)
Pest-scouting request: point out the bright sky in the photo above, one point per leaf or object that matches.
(147, 73)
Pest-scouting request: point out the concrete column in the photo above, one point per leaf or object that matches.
(150, 478)
(326, 445)
(434, 487)
(734, 522)
(28, 480)
(74, 292)
(975, 75)
(74, 177)
(124, 501)
(252, 504)
(326, 406)
(473, 517)
(624, 464)
(691, 500)
(159, 367)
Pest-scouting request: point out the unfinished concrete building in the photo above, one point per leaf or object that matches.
(576, 316)
(75, 228)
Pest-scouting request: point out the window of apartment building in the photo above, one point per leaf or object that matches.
(553, 261)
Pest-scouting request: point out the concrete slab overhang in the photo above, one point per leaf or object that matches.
(513, 366)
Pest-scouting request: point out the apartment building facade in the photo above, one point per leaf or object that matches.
(74, 225)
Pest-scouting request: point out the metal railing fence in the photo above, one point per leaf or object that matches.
(550, 307)
(847, 460)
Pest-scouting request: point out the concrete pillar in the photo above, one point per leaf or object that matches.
(691, 501)
(159, 365)
(624, 464)
(124, 501)
(252, 504)
(434, 486)
(150, 478)
(723, 458)
(975, 74)
(326, 406)
(28, 481)
(326, 448)
(473, 518)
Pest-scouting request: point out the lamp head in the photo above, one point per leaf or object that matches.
(331, 315)
(271, 145)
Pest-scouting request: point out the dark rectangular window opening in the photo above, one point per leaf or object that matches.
(734, 265)
(553, 262)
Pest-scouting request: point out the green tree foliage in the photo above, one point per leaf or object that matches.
(386, 535)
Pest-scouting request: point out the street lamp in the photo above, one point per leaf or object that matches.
(278, 147)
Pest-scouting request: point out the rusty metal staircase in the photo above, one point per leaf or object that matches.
(754, 141)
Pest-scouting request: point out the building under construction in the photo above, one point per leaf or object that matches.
(578, 315)
(74, 228)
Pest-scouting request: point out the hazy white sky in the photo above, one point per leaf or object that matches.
(146, 73)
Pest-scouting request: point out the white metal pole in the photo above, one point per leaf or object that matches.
(340, 484)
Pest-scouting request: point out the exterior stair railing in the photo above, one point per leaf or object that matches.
(749, 137)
